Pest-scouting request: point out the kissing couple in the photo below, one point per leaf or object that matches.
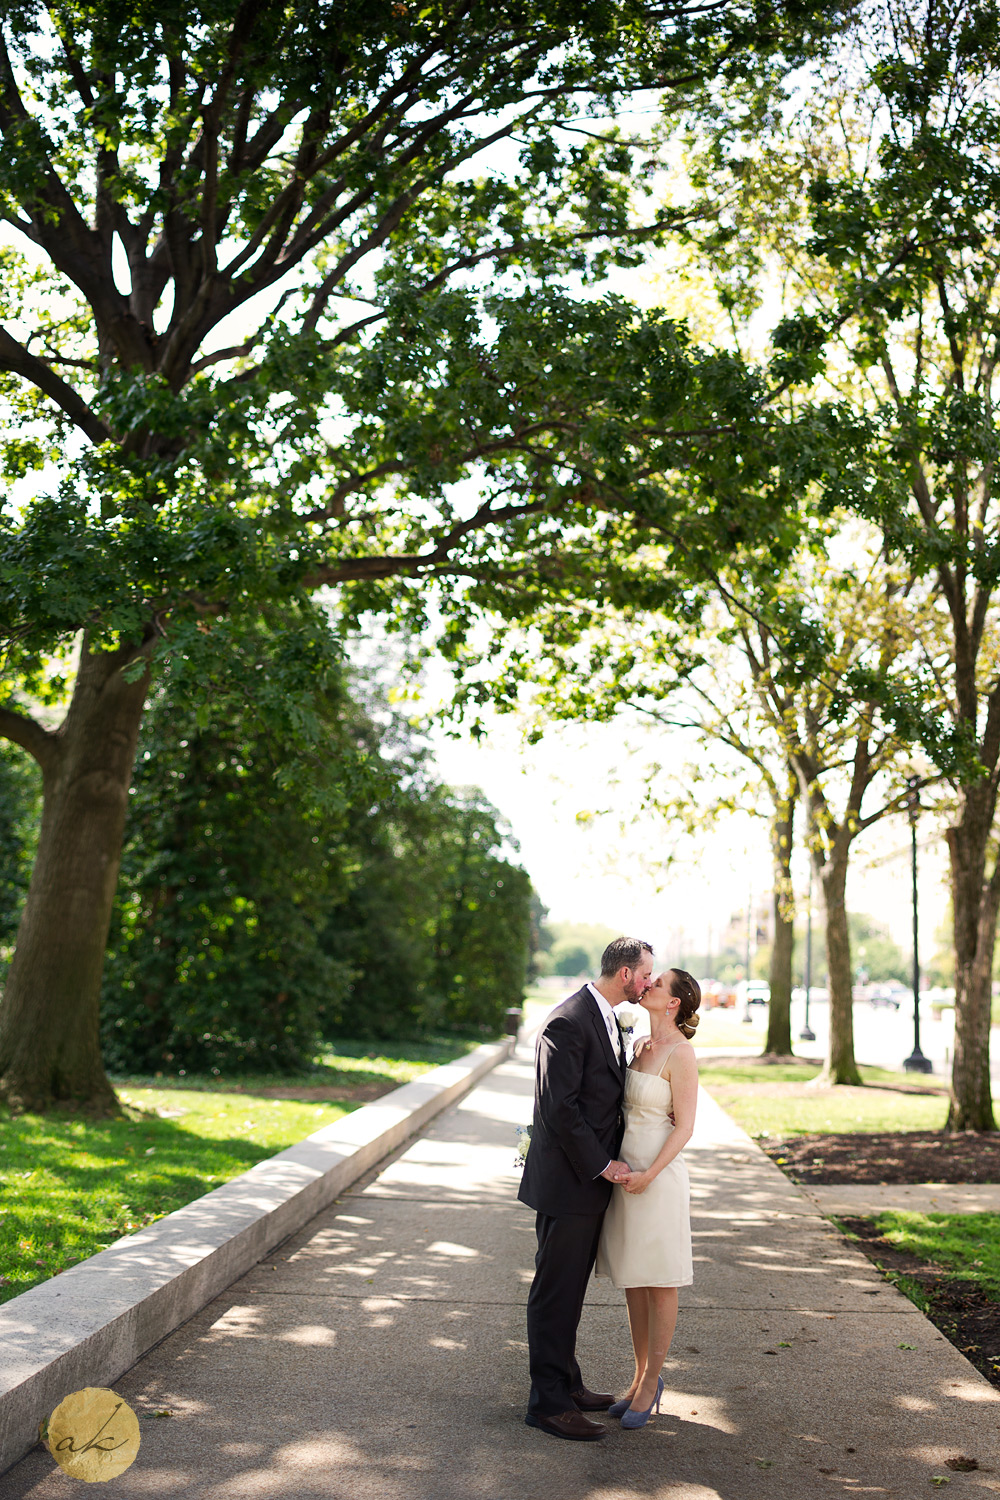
(608, 1184)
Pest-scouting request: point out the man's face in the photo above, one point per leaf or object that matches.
(635, 982)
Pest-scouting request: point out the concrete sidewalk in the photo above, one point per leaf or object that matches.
(847, 1200)
(380, 1354)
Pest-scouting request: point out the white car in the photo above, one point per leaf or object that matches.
(753, 992)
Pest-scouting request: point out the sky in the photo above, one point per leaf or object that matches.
(572, 799)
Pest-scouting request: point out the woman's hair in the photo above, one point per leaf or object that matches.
(684, 987)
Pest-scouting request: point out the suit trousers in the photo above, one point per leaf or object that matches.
(567, 1249)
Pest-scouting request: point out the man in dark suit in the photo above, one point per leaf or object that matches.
(572, 1161)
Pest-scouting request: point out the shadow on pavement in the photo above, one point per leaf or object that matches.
(380, 1354)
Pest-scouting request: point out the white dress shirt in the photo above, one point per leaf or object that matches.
(613, 1036)
(609, 1020)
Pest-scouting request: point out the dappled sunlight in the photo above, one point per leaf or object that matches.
(309, 1334)
(973, 1390)
(240, 1321)
(381, 1355)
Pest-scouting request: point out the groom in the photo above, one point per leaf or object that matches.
(572, 1161)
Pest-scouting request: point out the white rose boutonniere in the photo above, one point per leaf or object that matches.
(628, 1016)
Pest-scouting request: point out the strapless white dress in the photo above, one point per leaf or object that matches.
(646, 1237)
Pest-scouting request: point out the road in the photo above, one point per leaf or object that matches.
(882, 1038)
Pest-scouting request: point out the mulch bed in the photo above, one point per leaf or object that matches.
(959, 1309)
(900, 1156)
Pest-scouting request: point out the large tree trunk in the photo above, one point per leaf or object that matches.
(779, 1013)
(840, 1066)
(49, 1036)
(975, 899)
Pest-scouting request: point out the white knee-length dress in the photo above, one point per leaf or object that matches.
(646, 1237)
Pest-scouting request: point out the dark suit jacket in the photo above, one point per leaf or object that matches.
(577, 1126)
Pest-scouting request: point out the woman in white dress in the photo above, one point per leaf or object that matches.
(645, 1242)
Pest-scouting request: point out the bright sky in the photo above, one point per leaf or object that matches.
(587, 870)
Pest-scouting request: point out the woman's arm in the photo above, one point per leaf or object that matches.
(684, 1088)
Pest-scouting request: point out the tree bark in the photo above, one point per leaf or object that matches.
(779, 1012)
(976, 900)
(840, 1066)
(50, 1052)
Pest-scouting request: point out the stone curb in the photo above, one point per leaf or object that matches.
(91, 1324)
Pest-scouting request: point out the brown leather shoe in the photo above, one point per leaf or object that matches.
(585, 1400)
(568, 1424)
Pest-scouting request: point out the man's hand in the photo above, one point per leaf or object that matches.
(617, 1171)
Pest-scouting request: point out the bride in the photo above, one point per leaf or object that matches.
(645, 1242)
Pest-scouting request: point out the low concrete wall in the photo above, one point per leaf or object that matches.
(89, 1325)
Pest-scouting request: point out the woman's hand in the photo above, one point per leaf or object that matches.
(638, 1182)
(640, 1045)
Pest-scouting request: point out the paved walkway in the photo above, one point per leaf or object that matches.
(862, 1199)
(380, 1355)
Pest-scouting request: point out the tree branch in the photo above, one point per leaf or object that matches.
(40, 743)
(14, 357)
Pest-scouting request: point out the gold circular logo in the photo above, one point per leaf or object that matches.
(93, 1435)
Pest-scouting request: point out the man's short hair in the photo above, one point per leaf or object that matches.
(623, 953)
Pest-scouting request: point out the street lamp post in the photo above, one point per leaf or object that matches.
(916, 1062)
(807, 1034)
(747, 1018)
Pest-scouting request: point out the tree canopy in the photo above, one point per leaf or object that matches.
(304, 295)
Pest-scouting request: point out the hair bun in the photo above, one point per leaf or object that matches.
(688, 991)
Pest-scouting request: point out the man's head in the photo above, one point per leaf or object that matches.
(627, 967)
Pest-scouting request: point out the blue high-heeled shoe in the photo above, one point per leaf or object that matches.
(640, 1418)
(617, 1408)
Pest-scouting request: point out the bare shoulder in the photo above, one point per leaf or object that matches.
(683, 1061)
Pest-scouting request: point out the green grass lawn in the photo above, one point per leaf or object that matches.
(70, 1186)
(349, 1065)
(967, 1246)
(777, 1100)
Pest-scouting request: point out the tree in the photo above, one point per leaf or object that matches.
(20, 801)
(890, 251)
(235, 854)
(266, 902)
(482, 943)
(435, 930)
(250, 335)
(797, 663)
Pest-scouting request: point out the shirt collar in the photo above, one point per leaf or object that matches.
(602, 1004)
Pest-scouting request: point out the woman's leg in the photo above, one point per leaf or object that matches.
(638, 1322)
(661, 1305)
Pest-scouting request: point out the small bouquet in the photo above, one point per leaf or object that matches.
(523, 1142)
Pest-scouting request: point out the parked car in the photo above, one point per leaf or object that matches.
(818, 994)
(714, 993)
(887, 996)
(752, 992)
